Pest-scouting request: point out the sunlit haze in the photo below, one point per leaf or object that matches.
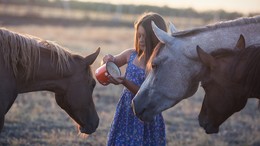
(241, 6)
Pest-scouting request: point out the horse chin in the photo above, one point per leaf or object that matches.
(148, 114)
(86, 131)
(88, 127)
(209, 129)
(146, 118)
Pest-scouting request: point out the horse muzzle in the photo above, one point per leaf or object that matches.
(141, 113)
(87, 130)
(90, 128)
(209, 128)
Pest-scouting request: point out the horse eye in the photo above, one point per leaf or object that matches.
(154, 66)
(154, 63)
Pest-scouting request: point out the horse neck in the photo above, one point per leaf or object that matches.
(220, 37)
(211, 39)
(250, 68)
(45, 76)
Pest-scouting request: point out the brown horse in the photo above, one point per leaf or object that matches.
(230, 77)
(30, 64)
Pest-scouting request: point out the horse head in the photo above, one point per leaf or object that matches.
(31, 64)
(168, 81)
(77, 99)
(223, 95)
(175, 73)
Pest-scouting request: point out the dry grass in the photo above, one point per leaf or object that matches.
(36, 119)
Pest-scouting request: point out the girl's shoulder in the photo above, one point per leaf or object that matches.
(124, 57)
(129, 52)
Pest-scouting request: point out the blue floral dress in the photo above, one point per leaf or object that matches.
(127, 129)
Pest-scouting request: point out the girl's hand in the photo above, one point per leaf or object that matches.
(122, 80)
(108, 57)
(116, 80)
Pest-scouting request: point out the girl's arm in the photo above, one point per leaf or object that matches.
(120, 59)
(128, 84)
(131, 86)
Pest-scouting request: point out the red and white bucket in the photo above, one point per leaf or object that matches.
(109, 68)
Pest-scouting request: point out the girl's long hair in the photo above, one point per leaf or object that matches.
(151, 40)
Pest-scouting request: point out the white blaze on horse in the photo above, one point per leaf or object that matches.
(31, 64)
(174, 72)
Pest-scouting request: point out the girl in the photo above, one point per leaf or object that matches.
(126, 128)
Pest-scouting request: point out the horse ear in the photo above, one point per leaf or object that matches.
(172, 28)
(92, 57)
(162, 36)
(241, 42)
(206, 58)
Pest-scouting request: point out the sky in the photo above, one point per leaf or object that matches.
(241, 6)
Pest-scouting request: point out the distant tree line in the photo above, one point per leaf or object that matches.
(131, 9)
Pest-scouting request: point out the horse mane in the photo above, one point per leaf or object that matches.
(251, 77)
(219, 53)
(222, 24)
(22, 50)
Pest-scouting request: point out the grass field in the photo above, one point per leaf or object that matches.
(36, 119)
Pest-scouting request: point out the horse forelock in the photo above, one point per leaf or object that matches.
(156, 51)
(24, 50)
(223, 24)
(222, 53)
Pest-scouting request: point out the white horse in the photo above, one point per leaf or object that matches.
(175, 69)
